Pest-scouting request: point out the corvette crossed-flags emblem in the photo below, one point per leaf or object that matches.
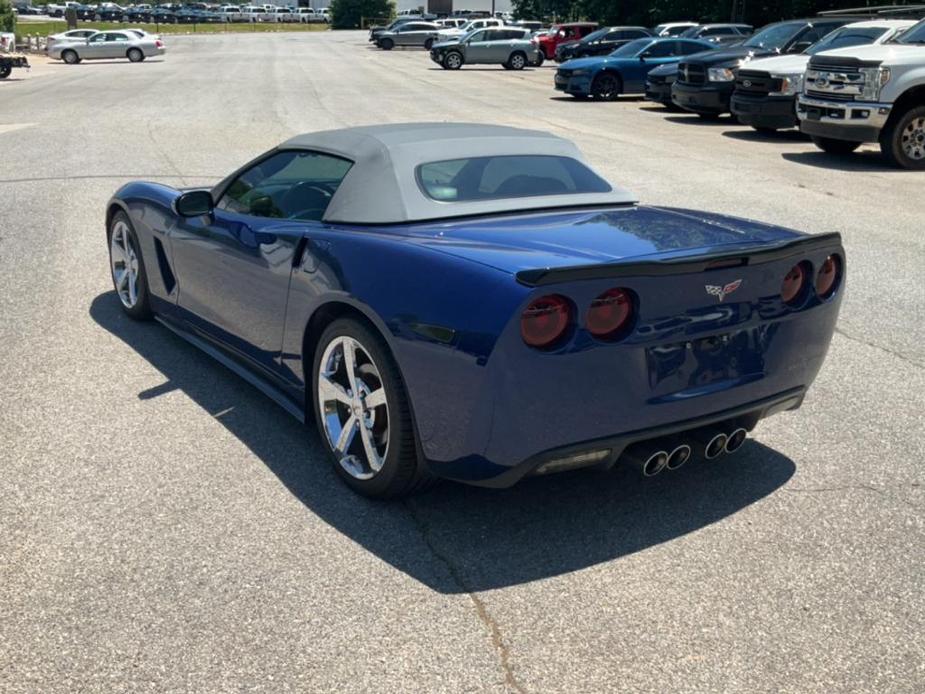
(721, 292)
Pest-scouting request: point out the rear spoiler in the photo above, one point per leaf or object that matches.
(682, 265)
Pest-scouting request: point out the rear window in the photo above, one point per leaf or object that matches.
(515, 176)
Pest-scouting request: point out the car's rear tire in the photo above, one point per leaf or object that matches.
(832, 146)
(606, 87)
(386, 44)
(540, 59)
(453, 60)
(428, 44)
(135, 55)
(902, 141)
(5, 71)
(517, 61)
(127, 268)
(362, 412)
(70, 57)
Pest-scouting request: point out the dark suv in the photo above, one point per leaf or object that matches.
(706, 81)
(600, 42)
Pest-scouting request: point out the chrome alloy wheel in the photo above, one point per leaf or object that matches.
(913, 139)
(124, 261)
(352, 400)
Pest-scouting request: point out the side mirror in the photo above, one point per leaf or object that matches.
(194, 203)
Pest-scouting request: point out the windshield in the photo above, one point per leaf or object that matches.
(594, 35)
(517, 176)
(775, 35)
(845, 38)
(629, 50)
(915, 34)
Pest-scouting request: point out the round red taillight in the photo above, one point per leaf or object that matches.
(791, 291)
(827, 277)
(545, 320)
(610, 313)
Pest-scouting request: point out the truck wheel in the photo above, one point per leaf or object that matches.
(902, 141)
(70, 57)
(386, 44)
(832, 146)
(5, 71)
(135, 55)
(517, 61)
(606, 87)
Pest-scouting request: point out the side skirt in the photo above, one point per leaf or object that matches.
(265, 385)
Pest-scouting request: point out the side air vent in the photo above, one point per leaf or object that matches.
(166, 273)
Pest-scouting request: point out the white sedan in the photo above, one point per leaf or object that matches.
(108, 45)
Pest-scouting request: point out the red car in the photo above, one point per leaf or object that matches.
(561, 33)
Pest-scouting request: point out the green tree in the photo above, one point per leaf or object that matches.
(349, 14)
(7, 18)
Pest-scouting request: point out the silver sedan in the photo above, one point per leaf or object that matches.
(108, 44)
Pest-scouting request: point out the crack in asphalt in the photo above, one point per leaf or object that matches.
(898, 355)
(858, 488)
(504, 653)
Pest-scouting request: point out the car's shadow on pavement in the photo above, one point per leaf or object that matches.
(694, 119)
(752, 135)
(861, 161)
(455, 538)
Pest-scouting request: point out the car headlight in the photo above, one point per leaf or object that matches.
(789, 84)
(874, 80)
(721, 74)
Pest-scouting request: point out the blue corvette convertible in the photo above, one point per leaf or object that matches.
(476, 303)
(624, 70)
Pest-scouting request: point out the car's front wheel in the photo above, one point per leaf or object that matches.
(362, 412)
(386, 44)
(453, 60)
(70, 57)
(128, 269)
(5, 71)
(830, 145)
(606, 87)
(902, 142)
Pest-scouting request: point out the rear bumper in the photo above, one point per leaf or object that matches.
(710, 97)
(745, 416)
(764, 112)
(842, 120)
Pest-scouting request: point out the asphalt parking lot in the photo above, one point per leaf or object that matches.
(164, 527)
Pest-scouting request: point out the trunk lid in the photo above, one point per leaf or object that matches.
(593, 237)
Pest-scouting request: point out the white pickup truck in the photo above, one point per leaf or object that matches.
(869, 94)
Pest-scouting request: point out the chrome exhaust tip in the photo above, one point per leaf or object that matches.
(649, 459)
(712, 442)
(735, 440)
(678, 456)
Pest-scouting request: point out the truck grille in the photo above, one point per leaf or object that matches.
(836, 81)
(691, 73)
(754, 83)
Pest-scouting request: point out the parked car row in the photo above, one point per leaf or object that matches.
(841, 79)
(202, 13)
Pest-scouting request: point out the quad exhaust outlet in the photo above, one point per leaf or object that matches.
(709, 443)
